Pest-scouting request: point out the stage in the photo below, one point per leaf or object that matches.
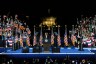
(72, 52)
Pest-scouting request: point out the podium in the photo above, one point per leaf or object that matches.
(46, 47)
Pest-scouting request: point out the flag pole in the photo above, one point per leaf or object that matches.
(65, 36)
(41, 34)
(59, 43)
(41, 37)
(72, 36)
(34, 37)
(52, 36)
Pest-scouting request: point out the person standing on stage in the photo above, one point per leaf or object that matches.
(0, 35)
(24, 38)
(10, 41)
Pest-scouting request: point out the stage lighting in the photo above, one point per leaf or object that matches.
(49, 22)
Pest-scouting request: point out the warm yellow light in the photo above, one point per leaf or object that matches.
(49, 21)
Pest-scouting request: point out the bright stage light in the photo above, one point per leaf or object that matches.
(50, 21)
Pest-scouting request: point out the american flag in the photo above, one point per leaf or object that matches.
(66, 40)
(52, 39)
(28, 41)
(89, 42)
(73, 39)
(21, 40)
(58, 37)
(10, 41)
(34, 40)
(58, 40)
(41, 39)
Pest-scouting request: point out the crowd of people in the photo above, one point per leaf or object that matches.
(85, 29)
(47, 60)
(13, 30)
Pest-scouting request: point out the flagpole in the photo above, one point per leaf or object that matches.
(52, 36)
(65, 36)
(41, 34)
(59, 43)
(34, 37)
(41, 37)
(58, 34)
(72, 29)
(72, 36)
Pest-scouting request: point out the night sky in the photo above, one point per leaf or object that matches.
(65, 12)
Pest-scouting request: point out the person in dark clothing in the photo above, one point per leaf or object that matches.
(69, 41)
(0, 40)
(46, 38)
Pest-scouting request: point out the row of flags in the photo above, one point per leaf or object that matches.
(73, 38)
(87, 26)
(41, 38)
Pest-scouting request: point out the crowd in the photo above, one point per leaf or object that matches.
(88, 30)
(47, 60)
(13, 30)
(84, 29)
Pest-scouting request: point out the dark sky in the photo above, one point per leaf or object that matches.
(66, 12)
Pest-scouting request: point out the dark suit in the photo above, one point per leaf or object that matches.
(0, 41)
(47, 40)
(46, 43)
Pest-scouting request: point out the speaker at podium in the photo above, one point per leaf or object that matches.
(46, 47)
(46, 43)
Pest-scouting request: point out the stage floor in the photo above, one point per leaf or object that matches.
(62, 51)
(73, 52)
